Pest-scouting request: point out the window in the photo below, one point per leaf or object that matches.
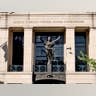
(80, 45)
(40, 54)
(17, 51)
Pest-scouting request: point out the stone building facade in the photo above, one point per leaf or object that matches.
(22, 59)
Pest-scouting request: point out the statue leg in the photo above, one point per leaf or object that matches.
(48, 57)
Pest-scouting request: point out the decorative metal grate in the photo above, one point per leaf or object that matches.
(15, 68)
(40, 68)
(57, 66)
(82, 68)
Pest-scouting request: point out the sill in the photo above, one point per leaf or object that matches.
(16, 73)
(81, 73)
(48, 73)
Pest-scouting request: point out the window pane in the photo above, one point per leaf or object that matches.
(80, 45)
(17, 52)
(40, 54)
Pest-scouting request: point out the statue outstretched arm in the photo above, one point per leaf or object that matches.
(56, 40)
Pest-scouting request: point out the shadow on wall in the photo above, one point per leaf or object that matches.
(5, 49)
(1, 82)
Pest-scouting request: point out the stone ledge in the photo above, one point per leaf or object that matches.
(80, 73)
(15, 73)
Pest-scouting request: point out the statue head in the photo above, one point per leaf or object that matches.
(49, 38)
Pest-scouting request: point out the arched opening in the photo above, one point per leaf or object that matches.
(49, 81)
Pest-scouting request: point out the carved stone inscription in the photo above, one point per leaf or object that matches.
(50, 19)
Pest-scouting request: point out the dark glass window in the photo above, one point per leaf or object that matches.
(80, 45)
(40, 55)
(17, 52)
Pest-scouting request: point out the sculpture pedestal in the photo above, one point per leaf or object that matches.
(49, 69)
(49, 66)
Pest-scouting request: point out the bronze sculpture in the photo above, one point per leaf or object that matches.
(49, 44)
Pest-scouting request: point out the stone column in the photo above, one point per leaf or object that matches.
(92, 44)
(27, 50)
(70, 50)
(3, 50)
